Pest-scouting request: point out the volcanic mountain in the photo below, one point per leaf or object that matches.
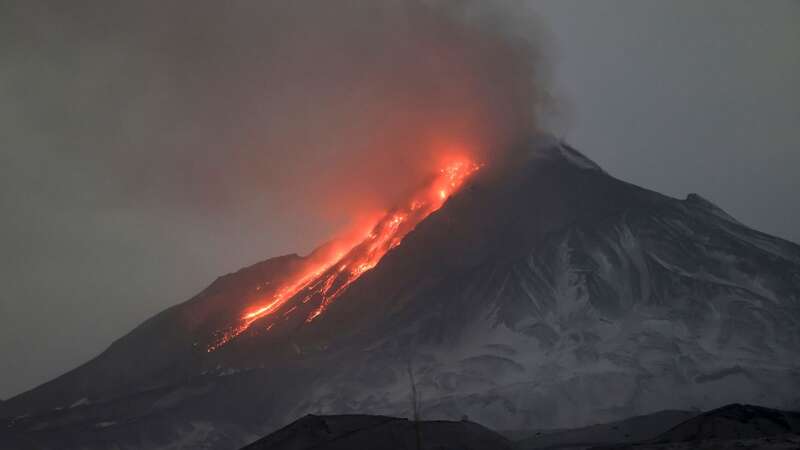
(538, 292)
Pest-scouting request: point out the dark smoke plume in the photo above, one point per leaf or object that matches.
(317, 109)
(149, 146)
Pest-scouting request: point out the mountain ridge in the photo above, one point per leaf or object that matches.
(544, 293)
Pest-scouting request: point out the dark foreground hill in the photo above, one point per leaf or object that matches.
(350, 432)
(734, 422)
(733, 426)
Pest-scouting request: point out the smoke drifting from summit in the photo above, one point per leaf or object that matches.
(323, 106)
(177, 141)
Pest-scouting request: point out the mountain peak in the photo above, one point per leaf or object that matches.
(547, 146)
(701, 202)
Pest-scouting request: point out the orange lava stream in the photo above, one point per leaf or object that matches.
(326, 278)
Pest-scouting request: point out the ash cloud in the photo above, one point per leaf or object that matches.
(150, 146)
(321, 106)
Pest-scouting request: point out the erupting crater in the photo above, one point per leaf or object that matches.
(326, 276)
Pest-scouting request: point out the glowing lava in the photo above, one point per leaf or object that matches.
(328, 275)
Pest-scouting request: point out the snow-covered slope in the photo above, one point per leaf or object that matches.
(544, 294)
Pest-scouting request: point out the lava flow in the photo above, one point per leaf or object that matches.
(327, 276)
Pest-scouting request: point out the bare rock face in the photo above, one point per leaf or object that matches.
(545, 294)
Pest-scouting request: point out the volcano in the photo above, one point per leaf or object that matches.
(535, 293)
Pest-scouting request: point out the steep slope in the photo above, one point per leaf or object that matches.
(560, 296)
(164, 349)
(545, 293)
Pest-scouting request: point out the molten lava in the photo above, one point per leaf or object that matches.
(327, 276)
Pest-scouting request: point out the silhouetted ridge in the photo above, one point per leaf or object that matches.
(346, 432)
(735, 421)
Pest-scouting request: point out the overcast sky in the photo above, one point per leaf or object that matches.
(142, 154)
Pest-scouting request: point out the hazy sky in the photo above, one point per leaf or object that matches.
(146, 150)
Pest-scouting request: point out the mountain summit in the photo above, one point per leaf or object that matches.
(542, 293)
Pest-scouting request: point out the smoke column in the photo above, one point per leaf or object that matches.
(152, 146)
(317, 108)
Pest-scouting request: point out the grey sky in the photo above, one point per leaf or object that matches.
(118, 201)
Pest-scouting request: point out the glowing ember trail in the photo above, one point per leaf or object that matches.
(326, 277)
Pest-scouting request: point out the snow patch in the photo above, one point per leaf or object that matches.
(81, 402)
